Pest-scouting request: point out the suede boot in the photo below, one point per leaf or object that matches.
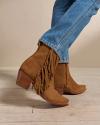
(64, 83)
(39, 69)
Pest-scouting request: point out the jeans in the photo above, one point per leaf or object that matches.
(68, 20)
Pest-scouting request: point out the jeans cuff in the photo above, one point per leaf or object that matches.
(48, 43)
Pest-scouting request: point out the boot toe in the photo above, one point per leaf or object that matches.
(54, 98)
(75, 90)
(82, 88)
(65, 101)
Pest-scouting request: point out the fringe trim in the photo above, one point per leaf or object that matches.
(46, 74)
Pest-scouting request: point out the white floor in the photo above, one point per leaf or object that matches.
(21, 107)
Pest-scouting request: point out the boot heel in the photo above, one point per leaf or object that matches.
(23, 80)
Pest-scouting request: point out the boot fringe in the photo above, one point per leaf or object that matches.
(46, 74)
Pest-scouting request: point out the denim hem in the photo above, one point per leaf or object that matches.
(64, 62)
(48, 43)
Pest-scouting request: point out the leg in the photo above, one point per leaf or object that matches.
(67, 29)
(59, 9)
(64, 83)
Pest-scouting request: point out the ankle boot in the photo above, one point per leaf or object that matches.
(64, 83)
(39, 70)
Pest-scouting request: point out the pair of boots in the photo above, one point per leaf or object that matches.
(49, 79)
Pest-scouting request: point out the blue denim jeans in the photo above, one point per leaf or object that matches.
(68, 20)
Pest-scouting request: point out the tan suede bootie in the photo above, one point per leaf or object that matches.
(39, 70)
(64, 83)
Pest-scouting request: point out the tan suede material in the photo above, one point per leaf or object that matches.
(46, 73)
(60, 78)
(40, 67)
(35, 62)
(53, 97)
(68, 84)
(72, 87)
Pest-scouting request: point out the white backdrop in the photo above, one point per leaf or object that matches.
(22, 22)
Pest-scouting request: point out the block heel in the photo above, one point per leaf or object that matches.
(23, 80)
